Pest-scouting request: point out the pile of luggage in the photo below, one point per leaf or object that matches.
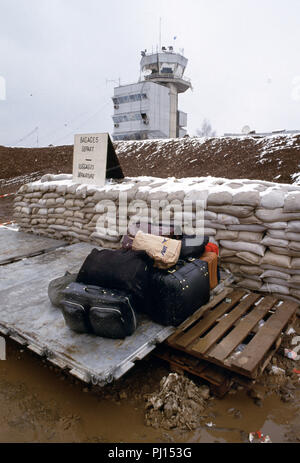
(167, 279)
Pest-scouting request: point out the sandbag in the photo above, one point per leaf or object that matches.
(269, 241)
(277, 225)
(215, 225)
(295, 263)
(278, 234)
(177, 293)
(236, 211)
(252, 237)
(221, 197)
(293, 236)
(248, 283)
(292, 202)
(210, 231)
(277, 260)
(275, 215)
(294, 245)
(295, 293)
(246, 197)
(271, 288)
(294, 226)
(227, 235)
(284, 251)
(227, 252)
(275, 274)
(272, 199)
(226, 219)
(250, 227)
(277, 281)
(244, 246)
(251, 270)
(249, 257)
(251, 220)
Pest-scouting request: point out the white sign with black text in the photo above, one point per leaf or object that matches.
(90, 158)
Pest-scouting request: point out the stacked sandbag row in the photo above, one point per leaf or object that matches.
(263, 249)
(255, 223)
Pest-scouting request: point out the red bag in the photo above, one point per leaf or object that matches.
(212, 247)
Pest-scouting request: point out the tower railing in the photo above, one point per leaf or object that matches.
(167, 75)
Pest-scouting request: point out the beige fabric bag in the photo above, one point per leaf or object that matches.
(164, 251)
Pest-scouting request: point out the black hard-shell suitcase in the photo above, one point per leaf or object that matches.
(104, 312)
(178, 292)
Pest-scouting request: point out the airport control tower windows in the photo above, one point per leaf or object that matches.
(129, 98)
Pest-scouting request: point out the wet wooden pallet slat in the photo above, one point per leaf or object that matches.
(199, 313)
(205, 343)
(264, 339)
(214, 338)
(230, 342)
(209, 319)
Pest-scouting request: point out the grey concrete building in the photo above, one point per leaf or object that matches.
(149, 108)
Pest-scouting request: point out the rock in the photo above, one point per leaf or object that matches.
(287, 397)
(123, 395)
(258, 402)
(255, 394)
(178, 404)
(204, 392)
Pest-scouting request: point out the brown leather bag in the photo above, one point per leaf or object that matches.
(212, 260)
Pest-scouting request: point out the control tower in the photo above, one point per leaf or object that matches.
(149, 108)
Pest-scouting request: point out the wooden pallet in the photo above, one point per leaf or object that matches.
(220, 380)
(230, 319)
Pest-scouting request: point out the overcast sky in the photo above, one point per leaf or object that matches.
(57, 56)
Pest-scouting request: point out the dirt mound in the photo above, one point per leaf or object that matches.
(273, 158)
(178, 404)
(20, 161)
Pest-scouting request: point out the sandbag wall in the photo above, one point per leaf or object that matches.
(255, 223)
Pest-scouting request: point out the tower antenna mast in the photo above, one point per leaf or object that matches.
(159, 43)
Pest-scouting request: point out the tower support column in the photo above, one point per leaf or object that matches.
(173, 110)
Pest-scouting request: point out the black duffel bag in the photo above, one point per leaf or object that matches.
(92, 309)
(123, 269)
(193, 246)
(178, 292)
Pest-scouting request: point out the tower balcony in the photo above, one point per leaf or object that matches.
(182, 84)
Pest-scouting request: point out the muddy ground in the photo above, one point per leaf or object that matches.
(41, 404)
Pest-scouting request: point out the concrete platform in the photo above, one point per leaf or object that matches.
(27, 316)
(16, 245)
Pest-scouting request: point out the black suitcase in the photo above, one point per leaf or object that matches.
(92, 309)
(192, 246)
(178, 292)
